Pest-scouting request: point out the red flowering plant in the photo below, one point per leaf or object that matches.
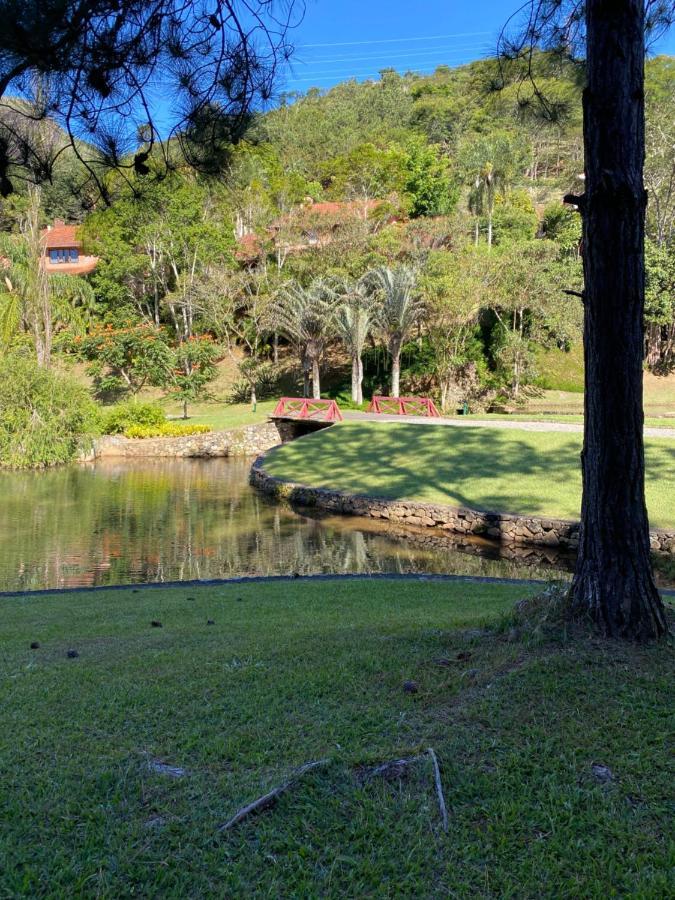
(125, 359)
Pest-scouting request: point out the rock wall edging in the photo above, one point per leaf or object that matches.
(247, 440)
(540, 531)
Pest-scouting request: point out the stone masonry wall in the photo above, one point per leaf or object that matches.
(249, 440)
(541, 531)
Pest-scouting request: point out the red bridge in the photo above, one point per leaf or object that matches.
(307, 409)
(404, 406)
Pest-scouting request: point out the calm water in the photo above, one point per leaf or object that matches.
(165, 520)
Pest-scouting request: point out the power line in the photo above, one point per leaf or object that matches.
(432, 37)
(330, 76)
(484, 47)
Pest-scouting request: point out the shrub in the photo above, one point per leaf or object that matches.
(166, 429)
(125, 415)
(44, 417)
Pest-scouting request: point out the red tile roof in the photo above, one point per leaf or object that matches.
(61, 236)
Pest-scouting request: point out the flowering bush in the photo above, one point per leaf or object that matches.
(166, 429)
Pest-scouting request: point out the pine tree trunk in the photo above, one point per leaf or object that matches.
(613, 583)
(316, 384)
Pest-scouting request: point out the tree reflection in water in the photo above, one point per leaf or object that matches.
(117, 522)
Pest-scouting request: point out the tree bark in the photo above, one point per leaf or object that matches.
(316, 383)
(395, 373)
(613, 583)
(357, 380)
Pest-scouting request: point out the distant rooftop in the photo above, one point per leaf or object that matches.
(62, 250)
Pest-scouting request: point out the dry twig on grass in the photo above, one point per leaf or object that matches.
(270, 797)
(439, 788)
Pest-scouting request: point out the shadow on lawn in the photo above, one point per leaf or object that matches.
(441, 464)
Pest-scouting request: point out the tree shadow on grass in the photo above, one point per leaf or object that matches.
(481, 468)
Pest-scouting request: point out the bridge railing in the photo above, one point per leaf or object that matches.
(404, 406)
(307, 408)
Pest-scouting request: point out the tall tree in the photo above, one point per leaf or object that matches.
(613, 583)
(489, 164)
(353, 322)
(400, 311)
(306, 316)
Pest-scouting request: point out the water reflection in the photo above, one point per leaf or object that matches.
(117, 522)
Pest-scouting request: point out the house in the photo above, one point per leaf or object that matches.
(309, 226)
(62, 250)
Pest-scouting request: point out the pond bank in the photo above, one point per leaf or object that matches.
(247, 440)
(504, 527)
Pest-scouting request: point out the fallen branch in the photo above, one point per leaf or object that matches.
(396, 767)
(271, 796)
(439, 788)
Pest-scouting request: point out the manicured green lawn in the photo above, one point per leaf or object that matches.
(298, 671)
(224, 415)
(483, 468)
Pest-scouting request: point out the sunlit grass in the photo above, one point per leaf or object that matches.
(511, 471)
(296, 671)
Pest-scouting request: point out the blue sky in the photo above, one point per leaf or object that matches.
(339, 39)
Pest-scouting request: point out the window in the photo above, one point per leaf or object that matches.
(64, 255)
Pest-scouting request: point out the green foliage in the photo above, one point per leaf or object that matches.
(515, 218)
(429, 181)
(562, 224)
(260, 379)
(659, 284)
(193, 368)
(165, 429)
(366, 171)
(43, 416)
(125, 415)
(125, 359)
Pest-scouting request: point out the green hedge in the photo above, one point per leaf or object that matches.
(44, 417)
(118, 419)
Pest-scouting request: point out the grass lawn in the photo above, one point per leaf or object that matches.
(226, 415)
(484, 468)
(302, 670)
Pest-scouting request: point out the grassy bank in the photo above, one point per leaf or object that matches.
(494, 469)
(298, 671)
(220, 416)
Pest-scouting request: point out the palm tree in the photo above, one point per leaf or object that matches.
(30, 298)
(490, 164)
(354, 319)
(400, 310)
(306, 316)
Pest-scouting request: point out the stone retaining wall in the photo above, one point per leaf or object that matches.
(505, 527)
(249, 440)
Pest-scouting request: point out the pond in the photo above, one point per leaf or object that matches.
(117, 522)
